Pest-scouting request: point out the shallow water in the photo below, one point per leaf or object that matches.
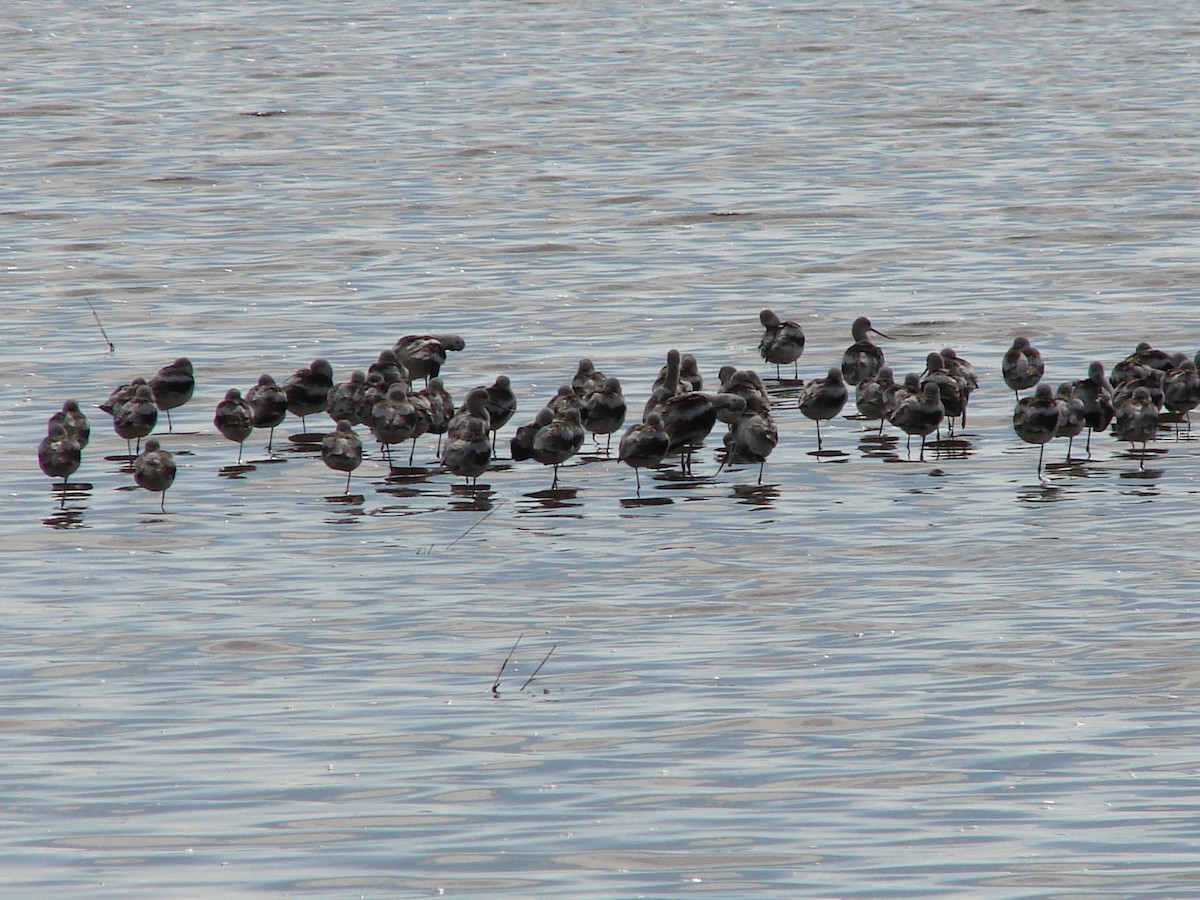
(869, 674)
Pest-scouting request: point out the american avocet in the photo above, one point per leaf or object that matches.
(558, 441)
(58, 453)
(604, 410)
(74, 422)
(1036, 419)
(751, 438)
(875, 397)
(643, 444)
(423, 355)
(823, 398)
(268, 405)
(394, 419)
(307, 390)
(345, 399)
(234, 419)
(782, 342)
(521, 443)
(919, 410)
(1136, 419)
(965, 373)
(441, 408)
(173, 386)
(342, 451)
(950, 387)
(1022, 366)
(468, 450)
(862, 359)
(1181, 390)
(1095, 393)
(501, 404)
(154, 470)
(1071, 418)
(136, 418)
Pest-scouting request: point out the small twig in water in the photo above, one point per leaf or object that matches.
(427, 549)
(473, 527)
(504, 665)
(538, 669)
(96, 316)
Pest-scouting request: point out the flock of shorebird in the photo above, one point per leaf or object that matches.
(676, 419)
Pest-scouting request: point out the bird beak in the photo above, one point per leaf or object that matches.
(881, 334)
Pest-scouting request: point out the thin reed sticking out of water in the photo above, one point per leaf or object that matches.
(100, 325)
(539, 668)
(504, 665)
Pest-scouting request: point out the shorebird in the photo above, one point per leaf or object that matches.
(1095, 394)
(919, 410)
(643, 444)
(474, 406)
(468, 449)
(468, 446)
(687, 419)
(501, 404)
(1149, 378)
(74, 422)
(968, 381)
(565, 398)
(875, 397)
(423, 407)
(423, 355)
(441, 408)
(268, 405)
(1136, 419)
(122, 393)
(521, 443)
(950, 387)
(746, 384)
(782, 342)
(587, 377)
(234, 419)
(388, 367)
(689, 373)
(751, 439)
(173, 386)
(344, 400)
(862, 359)
(58, 453)
(374, 389)
(823, 398)
(1181, 390)
(604, 411)
(1071, 415)
(682, 371)
(307, 390)
(558, 441)
(1022, 366)
(136, 418)
(1138, 364)
(665, 386)
(154, 470)
(342, 451)
(394, 419)
(1036, 419)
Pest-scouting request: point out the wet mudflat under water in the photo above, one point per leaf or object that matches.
(869, 674)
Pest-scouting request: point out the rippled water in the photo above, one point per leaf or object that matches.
(869, 675)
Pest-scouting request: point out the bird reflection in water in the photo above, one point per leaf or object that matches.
(760, 496)
(235, 471)
(71, 505)
(472, 497)
(552, 499)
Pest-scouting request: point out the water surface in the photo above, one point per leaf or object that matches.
(869, 674)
